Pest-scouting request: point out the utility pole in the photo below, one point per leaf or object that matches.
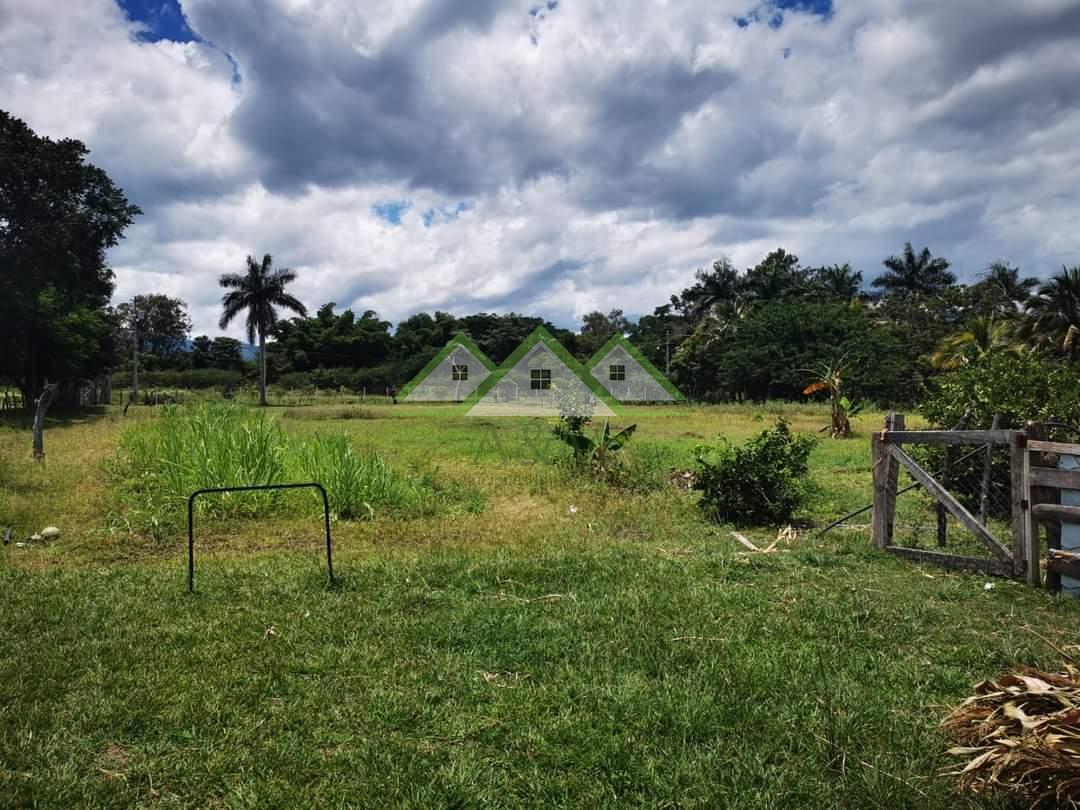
(667, 353)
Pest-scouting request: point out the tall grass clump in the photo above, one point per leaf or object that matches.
(209, 445)
(359, 483)
(163, 461)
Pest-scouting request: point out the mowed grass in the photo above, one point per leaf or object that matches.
(622, 653)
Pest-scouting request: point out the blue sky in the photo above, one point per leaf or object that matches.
(163, 19)
(557, 157)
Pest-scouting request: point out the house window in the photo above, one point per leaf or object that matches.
(616, 372)
(459, 372)
(540, 379)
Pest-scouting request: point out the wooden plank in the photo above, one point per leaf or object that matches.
(1059, 566)
(955, 562)
(1055, 477)
(744, 541)
(948, 436)
(1056, 511)
(954, 506)
(1018, 458)
(1032, 540)
(895, 421)
(1060, 448)
(879, 535)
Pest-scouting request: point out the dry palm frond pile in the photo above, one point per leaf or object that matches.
(1021, 736)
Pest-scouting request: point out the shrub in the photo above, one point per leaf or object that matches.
(1021, 389)
(762, 482)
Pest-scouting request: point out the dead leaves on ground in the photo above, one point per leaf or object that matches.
(1020, 736)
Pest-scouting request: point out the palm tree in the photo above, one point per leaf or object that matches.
(1053, 315)
(258, 292)
(713, 287)
(921, 274)
(984, 336)
(1006, 286)
(838, 281)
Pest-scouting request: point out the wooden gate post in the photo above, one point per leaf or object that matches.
(885, 475)
(1025, 524)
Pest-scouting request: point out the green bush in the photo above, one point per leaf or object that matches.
(1021, 389)
(762, 482)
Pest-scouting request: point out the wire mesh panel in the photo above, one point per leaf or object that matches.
(978, 478)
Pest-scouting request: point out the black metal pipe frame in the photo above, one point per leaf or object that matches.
(191, 522)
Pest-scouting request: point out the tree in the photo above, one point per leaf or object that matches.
(836, 281)
(1052, 317)
(200, 352)
(226, 354)
(922, 274)
(597, 328)
(58, 216)
(711, 287)
(162, 323)
(760, 357)
(984, 336)
(259, 292)
(777, 276)
(331, 340)
(1001, 292)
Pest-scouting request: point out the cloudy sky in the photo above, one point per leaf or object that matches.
(557, 156)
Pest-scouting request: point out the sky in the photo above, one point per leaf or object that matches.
(555, 157)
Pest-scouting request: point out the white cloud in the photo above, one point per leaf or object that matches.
(605, 151)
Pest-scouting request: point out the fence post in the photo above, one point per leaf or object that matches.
(885, 474)
(1030, 532)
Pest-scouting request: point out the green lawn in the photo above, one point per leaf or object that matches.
(624, 653)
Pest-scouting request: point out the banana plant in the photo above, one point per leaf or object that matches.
(598, 449)
(830, 378)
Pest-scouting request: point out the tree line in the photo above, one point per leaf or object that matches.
(730, 335)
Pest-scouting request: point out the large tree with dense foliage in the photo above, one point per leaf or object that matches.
(162, 324)
(915, 273)
(777, 276)
(333, 340)
(761, 356)
(59, 215)
(259, 293)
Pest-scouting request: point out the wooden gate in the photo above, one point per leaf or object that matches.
(1015, 546)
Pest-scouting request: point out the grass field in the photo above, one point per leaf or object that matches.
(618, 653)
